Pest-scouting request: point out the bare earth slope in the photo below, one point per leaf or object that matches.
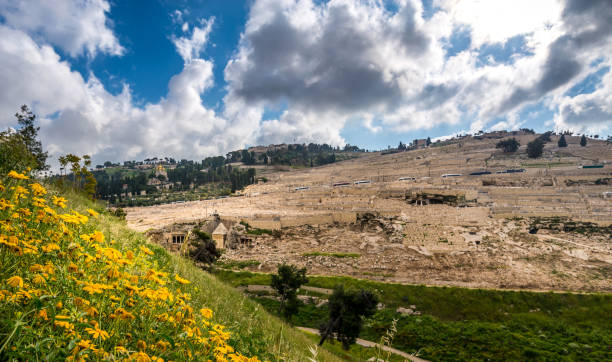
(465, 231)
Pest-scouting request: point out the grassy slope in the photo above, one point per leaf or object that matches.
(254, 331)
(460, 323)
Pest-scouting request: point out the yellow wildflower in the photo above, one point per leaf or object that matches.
(38, 189)
(42, 314)
(146, 250)
(97, 333)
(92, 212)
(59, 201)
(206, 313)
(50, 247)
(181, 280)
(15, 281)
(38, 279)
(17, 176)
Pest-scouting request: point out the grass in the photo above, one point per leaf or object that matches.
(236, 264)
(466, 324)
(94, 288)
(334, 255)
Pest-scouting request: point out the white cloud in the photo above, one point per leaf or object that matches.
(358, 60)
(81, 116)
(77, 27)
(499, 20)
(190, 48)
(328, 62)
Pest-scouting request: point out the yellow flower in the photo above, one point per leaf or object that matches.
(42, 314)
(142, 345)
(38, 189)
(50, 247)
(140, 357)
(15, 281)
(181, 280)
(97, 333)
(64, 324)
(85, 344)
(39, 279)
(206, 313)
(59, 201)
(92, 212)
(17, 176)
(146, 250)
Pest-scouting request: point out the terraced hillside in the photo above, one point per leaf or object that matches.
(501, 230)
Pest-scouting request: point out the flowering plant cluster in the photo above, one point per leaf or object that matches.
(67, 291)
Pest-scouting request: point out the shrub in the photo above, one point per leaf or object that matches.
(583, 141)
(509, 145)
(562, 142)
(535, 148)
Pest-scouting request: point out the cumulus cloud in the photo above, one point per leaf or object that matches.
(191, 47)
(322, 64)
(76, 26)
(338, 60)
(81, 116)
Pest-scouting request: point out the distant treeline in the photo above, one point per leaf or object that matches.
(115, 181)
(310, 155)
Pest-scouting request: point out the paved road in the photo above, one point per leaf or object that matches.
(364, 343)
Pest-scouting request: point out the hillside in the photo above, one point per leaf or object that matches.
(78, 284)
(546, 228)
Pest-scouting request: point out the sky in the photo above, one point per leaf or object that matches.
(127, 80)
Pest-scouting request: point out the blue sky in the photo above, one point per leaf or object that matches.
(133, 79)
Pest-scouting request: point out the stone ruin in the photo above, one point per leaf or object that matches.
(177, 236)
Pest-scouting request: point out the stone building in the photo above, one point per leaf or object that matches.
(219, 236)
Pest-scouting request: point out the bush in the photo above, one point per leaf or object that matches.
(535, 148)
(509, 145)
(562, 142)
(583, 141)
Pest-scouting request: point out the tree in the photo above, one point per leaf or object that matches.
(428, 142)
(205, 250)
(535, 148)
(29, 133)
(286, 283)
(583, 141)
(562, 142)
(510, 145)
(545, 137)
(14, 154)
(346, 312)
(401, 146)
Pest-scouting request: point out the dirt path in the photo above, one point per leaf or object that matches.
(370, 344)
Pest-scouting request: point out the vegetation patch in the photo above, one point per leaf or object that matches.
(466, 324)
(237, 264)
(568, 225)
(75, 283)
